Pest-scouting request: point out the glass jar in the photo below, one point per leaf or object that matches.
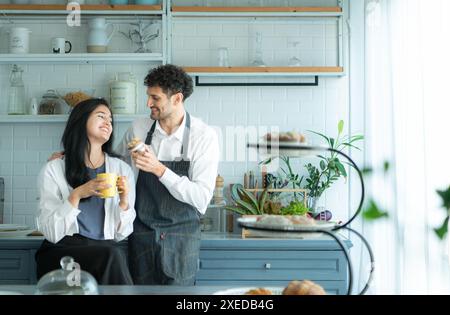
(52, 103)
(206, 224)
(70, 280)
(16, 104)
(218, 197)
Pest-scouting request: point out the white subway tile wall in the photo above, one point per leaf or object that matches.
(25, 147)
(196, 41)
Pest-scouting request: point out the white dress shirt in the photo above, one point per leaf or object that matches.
(57, 217)
(203, 153)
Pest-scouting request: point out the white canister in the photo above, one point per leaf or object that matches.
(123, 93)
(19, 40)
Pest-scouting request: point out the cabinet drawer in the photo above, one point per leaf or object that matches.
(14, 264)
(272, 265)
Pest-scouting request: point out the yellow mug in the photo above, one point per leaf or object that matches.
(110, 179)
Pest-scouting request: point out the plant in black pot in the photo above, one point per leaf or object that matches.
(330, 167)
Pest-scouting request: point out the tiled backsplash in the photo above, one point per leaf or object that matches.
(312, 42)
(25, 147)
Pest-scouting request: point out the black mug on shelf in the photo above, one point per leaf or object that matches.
(59, 45)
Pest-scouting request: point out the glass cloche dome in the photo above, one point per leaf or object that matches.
(70, 280)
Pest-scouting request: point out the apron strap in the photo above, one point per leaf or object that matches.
(187, 131)
(148, 140)
(184, 146)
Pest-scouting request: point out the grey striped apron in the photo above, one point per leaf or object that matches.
(165, 244)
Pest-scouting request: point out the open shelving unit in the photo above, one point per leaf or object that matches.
(204, 12)
(56, 12)
(169, 13)
(49, 12)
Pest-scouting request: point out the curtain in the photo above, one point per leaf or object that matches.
(408, 124)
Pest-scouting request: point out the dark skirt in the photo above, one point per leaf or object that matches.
(103, 259)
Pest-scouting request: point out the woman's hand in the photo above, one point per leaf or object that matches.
(91, 188)
(122, 186)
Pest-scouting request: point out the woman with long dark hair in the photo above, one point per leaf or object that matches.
(73, 218)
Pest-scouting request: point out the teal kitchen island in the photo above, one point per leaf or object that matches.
(226, 260)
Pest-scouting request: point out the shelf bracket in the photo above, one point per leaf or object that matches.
(315, 83)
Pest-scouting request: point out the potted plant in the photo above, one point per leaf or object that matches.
(330, 167)
(266, 202)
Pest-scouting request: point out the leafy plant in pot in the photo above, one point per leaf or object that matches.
(330, 168)
(246, 202)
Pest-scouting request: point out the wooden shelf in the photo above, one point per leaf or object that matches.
(255, 9)
(57, 118)
(264, 70)
(94, 7)
(53, 9)
(81, 58)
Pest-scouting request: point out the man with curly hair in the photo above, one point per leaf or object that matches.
(176, 178)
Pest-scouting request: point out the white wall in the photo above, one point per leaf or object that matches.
(25, 147)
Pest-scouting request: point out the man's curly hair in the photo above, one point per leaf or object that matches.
(171, 79)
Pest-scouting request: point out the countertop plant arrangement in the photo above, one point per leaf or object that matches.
(319, 178)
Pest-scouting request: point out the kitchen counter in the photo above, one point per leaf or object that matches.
(226, 260)
(128, 289)
(208, 239)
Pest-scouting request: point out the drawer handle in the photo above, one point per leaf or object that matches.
(267, 266)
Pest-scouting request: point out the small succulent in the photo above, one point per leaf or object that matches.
(247, 203)
(295, 208)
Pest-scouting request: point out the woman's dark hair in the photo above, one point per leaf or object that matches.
(171, 79)
(76, 143)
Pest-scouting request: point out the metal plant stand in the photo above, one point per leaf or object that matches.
(300, 150)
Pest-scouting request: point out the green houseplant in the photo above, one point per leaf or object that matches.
(442, 231)
(265, 203)
(330, 167)
(247, 203)
(373, 212)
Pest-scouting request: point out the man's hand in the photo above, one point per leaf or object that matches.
(147, 162)
(56, 155)
(91, 188)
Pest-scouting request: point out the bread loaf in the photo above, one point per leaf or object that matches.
(304, 287)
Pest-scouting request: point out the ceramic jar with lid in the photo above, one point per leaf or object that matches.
(123, 93)
(52, 103)
(19, 40)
